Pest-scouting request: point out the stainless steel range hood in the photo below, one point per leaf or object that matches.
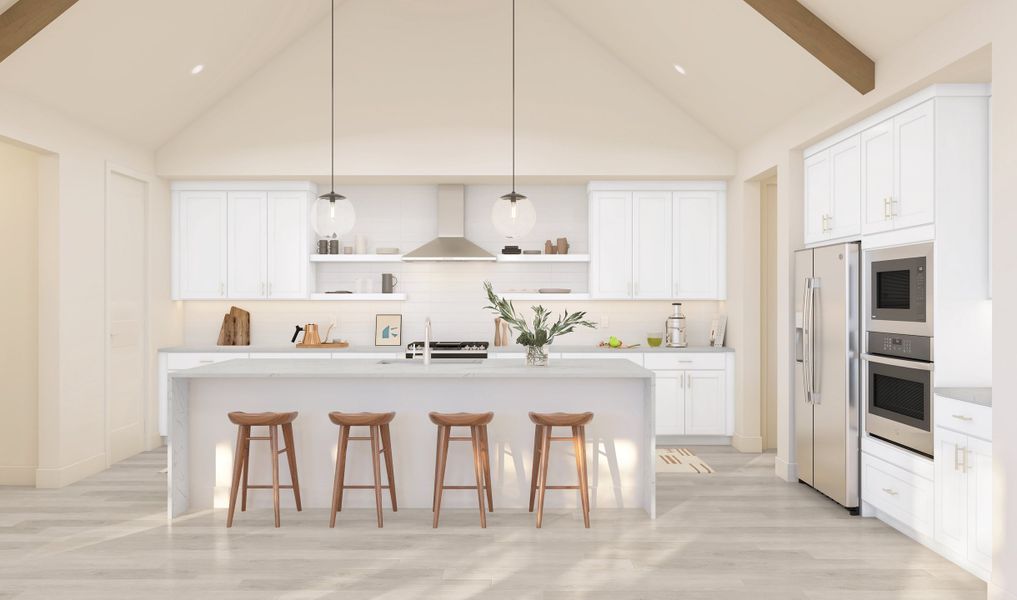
(450, 245)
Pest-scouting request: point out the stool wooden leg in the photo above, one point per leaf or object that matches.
(583, 479)
(340, 464)
(386, 440)
(478, 471)
(545, 448)
(485, 451)
(376, 464)
(273, 439)
(437, 461)
(238, 463)
(247, 466)
(344, 444)
(535, 470)
(291, 459)
(439, 482)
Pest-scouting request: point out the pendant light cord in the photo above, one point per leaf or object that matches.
(513, 98)
(332, 99)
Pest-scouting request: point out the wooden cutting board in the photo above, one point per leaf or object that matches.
(331, 345)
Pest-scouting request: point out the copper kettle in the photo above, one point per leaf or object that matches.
(311, 335)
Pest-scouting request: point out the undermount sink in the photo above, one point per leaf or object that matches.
(436, 361)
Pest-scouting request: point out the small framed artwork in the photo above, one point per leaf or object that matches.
(718, 329)
(388, 330)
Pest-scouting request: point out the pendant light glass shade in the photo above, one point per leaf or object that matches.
(513, 215)
(333, 215)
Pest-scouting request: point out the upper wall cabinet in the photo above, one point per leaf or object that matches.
(240, 240)
(657, 240)
(889, 171)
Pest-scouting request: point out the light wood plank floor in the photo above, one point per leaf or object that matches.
(740, 533)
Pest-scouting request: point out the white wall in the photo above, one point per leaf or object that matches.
(71, 281)
(929, 58)
(451, 294)
(19, 313)
(419, 94)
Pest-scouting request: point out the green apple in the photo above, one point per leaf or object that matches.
(614, 342)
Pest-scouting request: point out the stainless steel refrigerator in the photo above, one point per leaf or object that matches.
(827, 370)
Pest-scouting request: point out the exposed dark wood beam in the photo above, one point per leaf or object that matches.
(811, 33)
(24, 19)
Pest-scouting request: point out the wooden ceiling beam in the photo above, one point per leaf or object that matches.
(820, 40)
(24, 19)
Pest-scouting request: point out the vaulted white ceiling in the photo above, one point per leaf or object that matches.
(124, 65)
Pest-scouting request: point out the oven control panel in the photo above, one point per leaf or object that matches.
(913, 347)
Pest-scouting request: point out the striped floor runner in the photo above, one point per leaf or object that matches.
(680, 460)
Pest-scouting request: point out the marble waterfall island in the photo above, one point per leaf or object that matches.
(620, 439)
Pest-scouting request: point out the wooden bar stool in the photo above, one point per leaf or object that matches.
(379, 435)
(542, 438)
(242, 458)
(477, 422)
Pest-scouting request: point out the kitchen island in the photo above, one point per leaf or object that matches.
(620, 439)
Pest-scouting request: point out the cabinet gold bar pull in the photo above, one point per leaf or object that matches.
(890, 491)
(962, 417)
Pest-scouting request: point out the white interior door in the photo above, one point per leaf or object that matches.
(287, 246)
(651, 241)
(817, 196)
(126, 305)
(697, 245)
(877, 177)
(246, 245)
(611, 245)
(914, 139)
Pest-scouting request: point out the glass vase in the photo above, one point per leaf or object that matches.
(536, 356)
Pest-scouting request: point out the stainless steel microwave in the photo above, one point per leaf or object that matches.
(899, 296)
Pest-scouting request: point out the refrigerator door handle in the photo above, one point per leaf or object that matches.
(814, 285)
(806, 341)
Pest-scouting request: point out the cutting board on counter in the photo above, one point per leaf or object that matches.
(236, 328)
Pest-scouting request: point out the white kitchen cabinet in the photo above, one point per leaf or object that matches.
(833, 192)
(699, 245)
(979, 464)
(914, 167)
(246, 244)
(611, 244)
(877, 177)
(200, 265)
(651, 240)
(818, 199)
(951, 491)
(669, 397)
(287, 264)
(705, 403)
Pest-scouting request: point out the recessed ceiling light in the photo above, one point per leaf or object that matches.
(679, 68)
(197, 69)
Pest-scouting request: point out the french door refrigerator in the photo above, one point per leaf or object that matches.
(827, 370)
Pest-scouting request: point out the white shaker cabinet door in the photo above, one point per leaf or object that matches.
(818, 201)
(877, 177)
(201, 245)
(705, 403)
(651, 240)
(611, 245)
(698, 245)
(914, 159)
(246, 243)
(845, 190)
(669, 397)
(287, 244)
(979, 471)
(951, 490)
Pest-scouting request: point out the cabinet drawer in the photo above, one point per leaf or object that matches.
(964, 417)
(685, 361)
(176, 362)
(902, 495)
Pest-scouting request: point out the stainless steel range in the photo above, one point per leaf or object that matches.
(449, 350)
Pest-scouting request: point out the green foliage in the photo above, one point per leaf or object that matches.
(541, 333)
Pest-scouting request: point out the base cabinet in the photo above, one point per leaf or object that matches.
(692, 401)
(964, 497)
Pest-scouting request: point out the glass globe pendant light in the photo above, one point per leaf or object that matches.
(333, 215)
(513, 215)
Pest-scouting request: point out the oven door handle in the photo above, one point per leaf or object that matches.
(897, 362)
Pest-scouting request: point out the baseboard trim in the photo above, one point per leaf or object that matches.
(998, 593)
(693, 440)
(747, 444)
(785, 470)
(61, 476)
(17, 475)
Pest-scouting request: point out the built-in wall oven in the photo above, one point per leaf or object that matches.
(899, 298)
(898, 390)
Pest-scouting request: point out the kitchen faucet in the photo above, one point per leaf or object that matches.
(427, 341)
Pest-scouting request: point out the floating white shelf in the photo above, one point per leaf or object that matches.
(544, 258)
(356, 258)
(353, 297)
(544, 297)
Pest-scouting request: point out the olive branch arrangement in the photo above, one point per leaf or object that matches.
(542, 333)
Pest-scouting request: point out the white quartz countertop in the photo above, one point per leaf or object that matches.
(245, 368)
(642, 349)
(976, 395)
